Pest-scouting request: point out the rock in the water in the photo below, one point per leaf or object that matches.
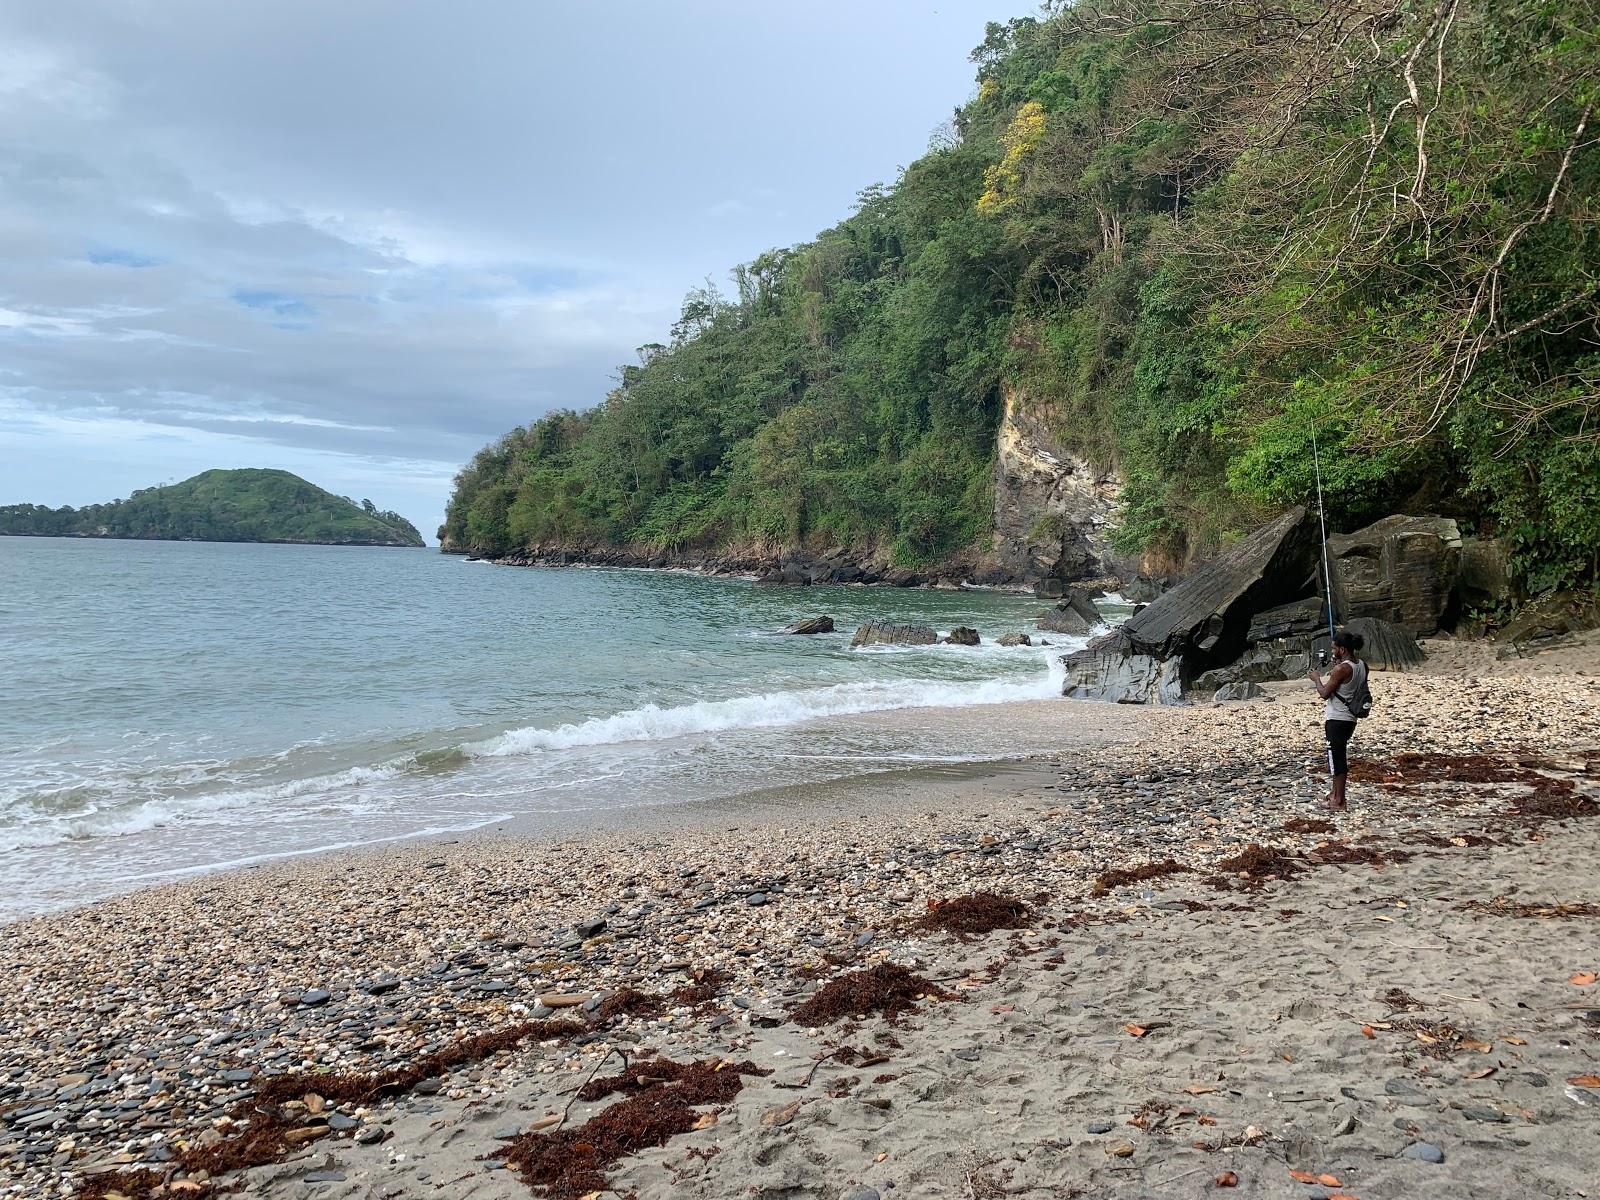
(1423, 1152)
(961, 635)
(811, 625)
(1065, 620)
(1386, 647)
(1109, 669)
(1243, 690)
(1400, 569)
(884, 633)
(1015, 639)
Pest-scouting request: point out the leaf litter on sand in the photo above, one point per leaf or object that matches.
(982, 912)
(660, 1097)
(887, 989)
(1504, 906)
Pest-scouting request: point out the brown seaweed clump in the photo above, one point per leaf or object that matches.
(1307, 825)
(1253, 866)
(887, 989)
(983, 912)
(660, 1100)
(1121, 877)
(1342, 853)
(270, 1132)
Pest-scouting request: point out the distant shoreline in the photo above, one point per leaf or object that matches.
(112, 537)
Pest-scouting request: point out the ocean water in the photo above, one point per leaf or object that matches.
(172, 707)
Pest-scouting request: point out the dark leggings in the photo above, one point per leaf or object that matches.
(1339, 733)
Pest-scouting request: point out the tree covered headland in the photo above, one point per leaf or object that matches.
(1196, 230)
(246, 505)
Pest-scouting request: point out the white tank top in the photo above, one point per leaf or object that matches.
(1337, 706)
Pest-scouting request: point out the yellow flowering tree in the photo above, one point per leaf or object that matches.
(1001, 180)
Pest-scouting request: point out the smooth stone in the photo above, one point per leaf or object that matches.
(340, 1123)
(429, 1087)
(323, 1177)
(1423, 1152)
(756, 899)
(315, 997)
(1100, 1126)
(238, 1075)
(590, 928)
(864, 1193)
(1478, 1112)
(966, 1055)
(371, 1135)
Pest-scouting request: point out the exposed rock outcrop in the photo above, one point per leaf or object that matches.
(883, 633)
(1015, 639)
(1243, 690)
(1053, 511)
(1400, 569)
(961, 635)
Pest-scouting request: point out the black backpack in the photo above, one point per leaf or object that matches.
(1360, 705)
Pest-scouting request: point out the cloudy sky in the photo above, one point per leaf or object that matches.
(359, 239)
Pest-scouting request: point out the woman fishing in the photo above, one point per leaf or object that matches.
(1342, 690)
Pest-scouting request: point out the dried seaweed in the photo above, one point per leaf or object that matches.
(887, 989)
(270, 1131)
(1307, 825)
(1504, 906)
(1342, 853)
(981, 913)
(1253, 866)
(1122, 876)
(661, 1096)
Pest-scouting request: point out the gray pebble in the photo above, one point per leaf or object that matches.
(1100, 1126)
(1423, 1152)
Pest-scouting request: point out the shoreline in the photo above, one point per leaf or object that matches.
(362, 961)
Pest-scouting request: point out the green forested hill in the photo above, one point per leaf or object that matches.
(246, 505)
(1194, 230)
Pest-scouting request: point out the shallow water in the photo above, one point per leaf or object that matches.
(168, 707)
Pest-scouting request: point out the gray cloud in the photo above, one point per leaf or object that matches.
(358, 240)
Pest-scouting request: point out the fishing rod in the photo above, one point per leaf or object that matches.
(1322, 518)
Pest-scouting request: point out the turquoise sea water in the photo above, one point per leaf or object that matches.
(167, 707)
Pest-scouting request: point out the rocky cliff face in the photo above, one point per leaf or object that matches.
(1053, 511)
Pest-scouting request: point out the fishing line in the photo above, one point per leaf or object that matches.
(1322, 518)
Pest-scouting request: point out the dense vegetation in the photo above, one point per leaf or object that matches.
(223, 506)
(1201, 230)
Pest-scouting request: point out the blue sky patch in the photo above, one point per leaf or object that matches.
(274, 302)
(120, 258)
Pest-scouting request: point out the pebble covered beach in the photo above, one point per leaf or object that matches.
(1206, 982)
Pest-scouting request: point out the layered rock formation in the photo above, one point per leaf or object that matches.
(1401, 569)
(1053, 511)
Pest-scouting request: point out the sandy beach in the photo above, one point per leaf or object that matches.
(1291, 1004)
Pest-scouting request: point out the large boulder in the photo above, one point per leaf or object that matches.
(962, 635)
(1015, 639)
(1549, 621)
(1110, 669)
(1207, 617)
(1386, 647)
(1234, 692)
(1065, 620)
(1400, 569)
(1485, 577)
(1295, 619)
(1200, 624)
(812, 625)
(884, 633)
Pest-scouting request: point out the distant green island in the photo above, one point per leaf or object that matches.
(245, 505)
